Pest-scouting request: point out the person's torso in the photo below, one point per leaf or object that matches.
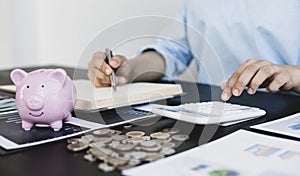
(236, 30)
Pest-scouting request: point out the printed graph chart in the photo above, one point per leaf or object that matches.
(295, 127)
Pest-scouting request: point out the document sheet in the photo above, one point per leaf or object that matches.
(289, 126)
(240, 153)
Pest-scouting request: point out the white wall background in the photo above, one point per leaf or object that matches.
(42, 32)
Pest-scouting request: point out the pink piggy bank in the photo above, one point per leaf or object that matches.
(45, 96)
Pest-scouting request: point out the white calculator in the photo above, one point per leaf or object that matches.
(212, 112)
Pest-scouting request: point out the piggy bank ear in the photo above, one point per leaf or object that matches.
(60, 75)
(17, 75)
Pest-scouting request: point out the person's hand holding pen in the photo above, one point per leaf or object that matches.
(100, 71)
(148, 66)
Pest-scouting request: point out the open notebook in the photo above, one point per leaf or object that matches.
(89, 97)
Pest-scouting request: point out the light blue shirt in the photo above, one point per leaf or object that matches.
(222, 34)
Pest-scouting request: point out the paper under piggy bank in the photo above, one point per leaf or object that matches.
(45, 96)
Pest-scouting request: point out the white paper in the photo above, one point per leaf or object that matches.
(240, 153)
(289, 126)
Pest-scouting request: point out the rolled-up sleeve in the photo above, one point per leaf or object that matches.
(173, 45)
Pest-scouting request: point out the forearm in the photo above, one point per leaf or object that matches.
(146, 67)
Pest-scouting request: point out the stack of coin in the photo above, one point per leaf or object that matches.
(120, 151)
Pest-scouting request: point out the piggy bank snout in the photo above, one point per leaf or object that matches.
(35, 102)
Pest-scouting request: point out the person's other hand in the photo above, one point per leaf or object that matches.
(99, 71)
(260, 73)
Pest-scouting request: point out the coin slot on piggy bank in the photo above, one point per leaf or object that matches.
(44, 97)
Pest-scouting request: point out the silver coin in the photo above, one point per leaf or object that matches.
(77, 146)
(168, 145)
(97, 144)
(97, 153)
(154, 157)
(115, 162)
(134, 162)
(180, 137)
(147, 138)
(73, 140)
(86, 139)
(138, 155)
(160, 135)
(135, 140)
(109, 152)
(124, 147)
(89, 157)
(171, 131)
(103, 140)
(152, 149)
(105, 167)
(113, 144)
(135, 133)
(162, 141)
(116, 132)
(102, 132)
(118, 137)
(167, 151)
(148, 143)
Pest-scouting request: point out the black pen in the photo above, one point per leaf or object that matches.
(113, 81)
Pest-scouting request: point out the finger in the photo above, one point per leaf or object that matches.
(247, 75)
(97, 59)
(105, 68)
(278, 81)
(227, 88)
(263, 74)
(121, 80)
(98, 83)
(96, 75)
(117, 61)
(98, 62)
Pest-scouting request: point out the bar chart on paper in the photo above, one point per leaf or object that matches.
(296, 126)
(289, 126)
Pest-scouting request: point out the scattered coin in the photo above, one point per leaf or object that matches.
(168, 145)
(171, 131)
(115, 162)
(102, 132)
(103, 140)
(147, 138)
(118, 151)
(105, 167)
(167, 151)
(148, 143)
(154, 157)
(135, 140)
(89, 157)
(77, 146)
(124, 147)
(135, 133)
(138, 155)
(116, 132)
(160, 135)
(73, 140)
(180, 137)
(118, 137)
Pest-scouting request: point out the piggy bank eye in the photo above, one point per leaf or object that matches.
(43, 86)
(27, 87)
